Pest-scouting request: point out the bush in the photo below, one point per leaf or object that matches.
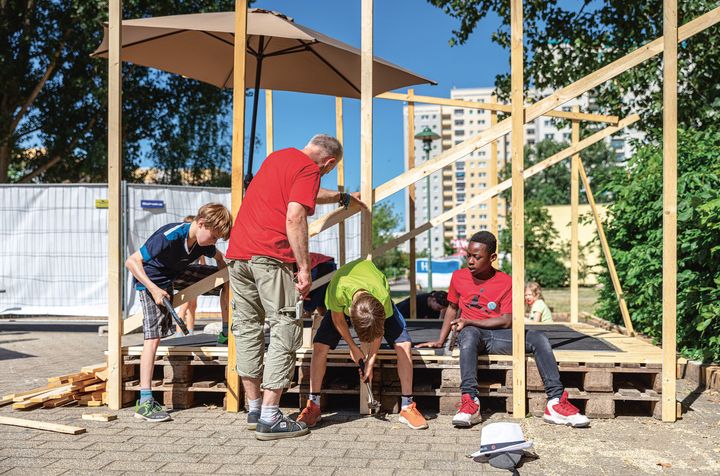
(634, 229)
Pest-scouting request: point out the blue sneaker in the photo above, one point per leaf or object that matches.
(252, 420)
(150, 410)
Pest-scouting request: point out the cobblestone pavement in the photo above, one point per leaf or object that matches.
(206, 440)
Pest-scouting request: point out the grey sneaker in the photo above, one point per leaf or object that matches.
(150, 410)
(252, 420)
(283, 427)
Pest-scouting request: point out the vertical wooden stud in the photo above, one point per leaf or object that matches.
(493, 173)
(574, 224)
(339, 133)
(269, 125)
(411, 203)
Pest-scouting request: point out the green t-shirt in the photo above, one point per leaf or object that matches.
(543, 309)
(354, 276)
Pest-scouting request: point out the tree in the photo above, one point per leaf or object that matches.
(393, 263)
(634, 231)
(565, 41)
(543, 251)
(53, 99)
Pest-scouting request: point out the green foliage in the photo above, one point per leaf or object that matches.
(172, 122)
(634, 231)
(543, 252)
(394, 263)
(565, 41)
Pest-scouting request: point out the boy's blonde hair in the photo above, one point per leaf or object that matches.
(535, 289)
(367, 315)
(217, 218)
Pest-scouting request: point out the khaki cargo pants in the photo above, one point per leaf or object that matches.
(263, 289)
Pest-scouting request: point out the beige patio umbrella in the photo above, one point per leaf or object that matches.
(281, 55)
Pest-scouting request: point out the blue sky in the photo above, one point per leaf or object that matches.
(410, 33)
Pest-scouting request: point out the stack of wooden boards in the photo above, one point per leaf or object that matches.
(85, 388)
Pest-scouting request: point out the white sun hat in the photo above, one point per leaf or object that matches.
(501, 438)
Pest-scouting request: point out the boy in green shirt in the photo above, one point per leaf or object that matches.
(359, 295)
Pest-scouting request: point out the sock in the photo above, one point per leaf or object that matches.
(225, 328)
(406, 400)
(255, 405)
(269, 413)
(315, 398)
(191, 332)
(145, 395)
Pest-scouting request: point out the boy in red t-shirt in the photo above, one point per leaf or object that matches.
(483, 295)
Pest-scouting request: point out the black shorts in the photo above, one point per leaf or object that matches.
(395, 330)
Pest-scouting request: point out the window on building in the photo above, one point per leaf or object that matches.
(531, 132)
(531, 141)
(481, 121)
(548, 123)
(434, 116)
(483, 206)
(483, 217)
(483, 227)
(458, 142)
(459, 132)
(461, 217)
(459, 122)
(482, 174)
(459, 112)
(567, 135)
(481, 153)
(549, 136)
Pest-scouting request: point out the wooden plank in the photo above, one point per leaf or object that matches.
(574, 226)
(340, 136)
(59, 402)
(26, 405)
(115, 164)
(496, 107)
(669, 329)
(518, 208)
(99, 417)
(606, 251)
(91, 369)
(132, 323)
(269, 134)
(553, 101)
(41, 425)
(232, 397)
(411, 202)
(366, 125)
(493, 179)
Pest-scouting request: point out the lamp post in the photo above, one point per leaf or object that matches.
(427, 137)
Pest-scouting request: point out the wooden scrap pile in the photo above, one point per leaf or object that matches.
(85, 388)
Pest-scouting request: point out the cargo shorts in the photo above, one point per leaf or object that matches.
(263, 290)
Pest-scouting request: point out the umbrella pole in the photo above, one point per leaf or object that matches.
(253, 124)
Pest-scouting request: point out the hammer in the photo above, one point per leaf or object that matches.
(372, 403)
(174, 315)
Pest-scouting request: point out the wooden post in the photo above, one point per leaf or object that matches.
(269, 133)
(606, 251)
(411, 204)
(669, 343)
(339, 133)
(518, 209)
(493, 173)
(366, 143)
(574, 225)
(232, 396)
(115, 358)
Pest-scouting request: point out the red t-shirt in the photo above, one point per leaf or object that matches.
(481, 299)
(285, 176)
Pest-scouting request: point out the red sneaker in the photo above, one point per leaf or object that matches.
(562, 412)
(468, 412)
(310, 414)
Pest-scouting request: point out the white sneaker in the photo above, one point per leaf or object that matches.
(561, 412)
(468, 413)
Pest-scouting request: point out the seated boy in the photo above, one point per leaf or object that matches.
(428, 305)
(484, 296)
(161, 262)
(359, 295)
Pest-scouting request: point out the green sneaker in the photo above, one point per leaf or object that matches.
(150, 410)
(222, 339)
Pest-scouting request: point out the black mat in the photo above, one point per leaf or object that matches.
(561, 337)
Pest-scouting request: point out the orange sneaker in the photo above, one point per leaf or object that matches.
(310, 414)
(412, 417)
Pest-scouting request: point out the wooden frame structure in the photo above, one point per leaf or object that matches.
(520, 114)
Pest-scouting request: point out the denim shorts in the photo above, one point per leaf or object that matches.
(395, 330)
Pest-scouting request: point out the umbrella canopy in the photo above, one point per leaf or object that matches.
(291, 56)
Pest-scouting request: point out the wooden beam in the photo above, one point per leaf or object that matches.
(497, 107)
(43, 425)
(411, 203)
(493, 173)
(606, 251)
(505, 185)
(518, 207)
(115, 164)
(339, 133)
(669, 294)
(574, 225)
(232, 396)
(269, 133)
(366, 123)
(549, 103)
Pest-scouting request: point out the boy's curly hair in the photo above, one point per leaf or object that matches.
(217, 218)
(367, 315)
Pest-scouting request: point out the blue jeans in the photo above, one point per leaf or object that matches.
(473, 340)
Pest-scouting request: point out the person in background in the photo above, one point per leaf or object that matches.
(539, 311)
(428, 305)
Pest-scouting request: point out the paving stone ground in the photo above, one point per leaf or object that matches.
(206, 440)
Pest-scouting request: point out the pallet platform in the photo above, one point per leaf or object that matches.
(624, 379)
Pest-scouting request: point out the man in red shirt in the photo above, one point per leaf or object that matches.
(483, 295)
(270, 274)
